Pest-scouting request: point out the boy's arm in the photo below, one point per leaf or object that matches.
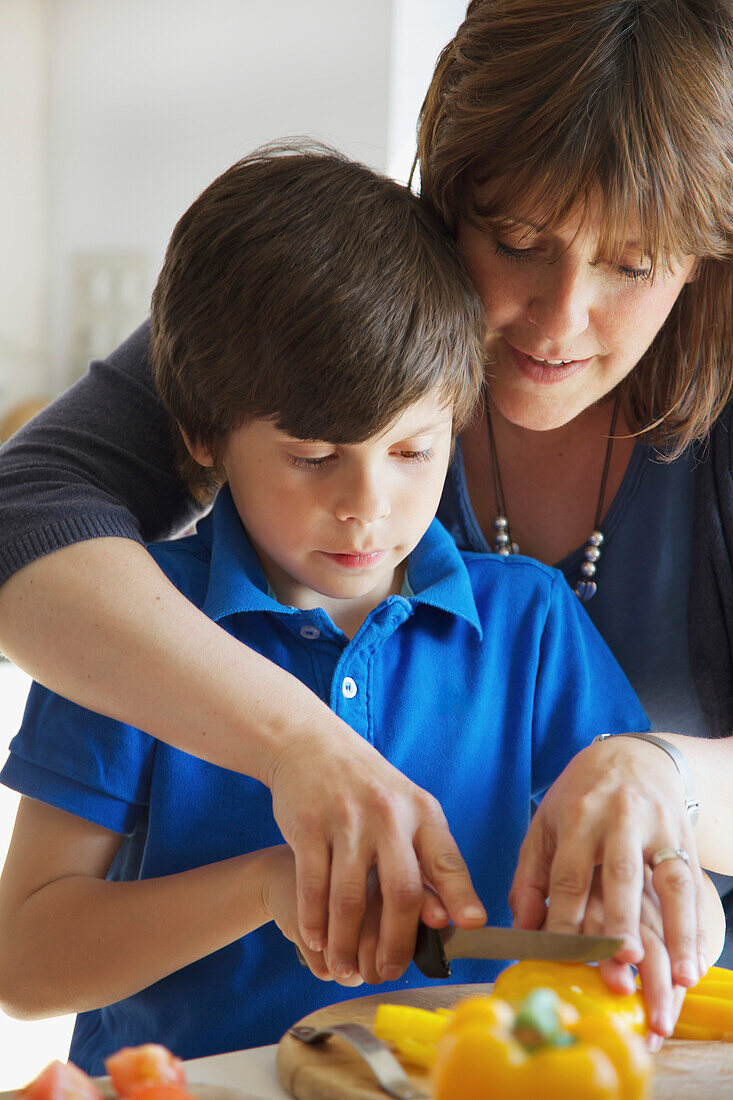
(70, 941)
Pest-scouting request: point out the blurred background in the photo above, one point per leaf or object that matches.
(114, 115)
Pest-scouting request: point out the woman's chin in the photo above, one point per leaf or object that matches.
(535, 413)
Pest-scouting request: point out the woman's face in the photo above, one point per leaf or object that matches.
(564, 324)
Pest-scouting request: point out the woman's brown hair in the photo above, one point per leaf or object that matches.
(303, 287)
(555, 101)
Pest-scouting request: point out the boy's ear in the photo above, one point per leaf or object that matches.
(198, 451)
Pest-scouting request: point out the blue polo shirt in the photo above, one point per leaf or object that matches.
(480, 685)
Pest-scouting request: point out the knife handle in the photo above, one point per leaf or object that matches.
(429, 955)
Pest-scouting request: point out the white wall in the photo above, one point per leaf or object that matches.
(23, 199)
(420, 29)
(153, 98)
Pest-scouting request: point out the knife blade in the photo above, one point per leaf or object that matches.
(436, 947)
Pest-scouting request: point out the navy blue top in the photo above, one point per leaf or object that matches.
(480, 686)
(643, 579)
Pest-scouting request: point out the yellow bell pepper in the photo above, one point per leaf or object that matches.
(541, 1047)
(577, 984)
(707, 1010)
(585, 1058)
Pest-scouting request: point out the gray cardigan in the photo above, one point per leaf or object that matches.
(99, 461)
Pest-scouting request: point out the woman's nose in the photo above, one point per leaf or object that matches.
(560, 305)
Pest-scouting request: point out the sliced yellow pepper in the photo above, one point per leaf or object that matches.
(578, 984)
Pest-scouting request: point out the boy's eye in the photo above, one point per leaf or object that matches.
(417, 456)
(302, 463)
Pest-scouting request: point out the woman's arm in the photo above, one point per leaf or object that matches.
(70, 941)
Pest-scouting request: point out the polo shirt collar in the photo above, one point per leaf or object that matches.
(436, 571)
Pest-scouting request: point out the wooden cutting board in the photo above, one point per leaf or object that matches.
(333, 1071)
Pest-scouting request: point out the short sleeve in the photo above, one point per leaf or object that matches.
(81, 762)
(580, 689)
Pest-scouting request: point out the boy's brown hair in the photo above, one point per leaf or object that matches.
(304, 287)
(558, 101)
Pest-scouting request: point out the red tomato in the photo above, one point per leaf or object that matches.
(161, 1092)
(133, 1068)
(62, 1081)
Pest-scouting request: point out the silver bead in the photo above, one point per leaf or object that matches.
(596, 538)
(588, 569)
(500, 523)
(515, 548)
(504, 551)
(592, 553)
(501, 538)
(585, 590)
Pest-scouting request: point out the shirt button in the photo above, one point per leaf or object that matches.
(311, 632)
(348, 688)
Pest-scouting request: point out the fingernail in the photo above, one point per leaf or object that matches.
(440, 913)
(390, 972)
(317, 945)
(654, 1042)
(703, 965)
(665, 1024)
(472, 912)
(343, 971)
(688, 971)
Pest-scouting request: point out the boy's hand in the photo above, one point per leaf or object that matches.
(344, 809)
(279, 902)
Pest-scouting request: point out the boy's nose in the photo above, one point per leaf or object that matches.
(363, 499)
(560, 305)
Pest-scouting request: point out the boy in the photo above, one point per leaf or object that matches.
(318, 343)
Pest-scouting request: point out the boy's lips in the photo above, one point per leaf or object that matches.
(545, 371)
(357, 559)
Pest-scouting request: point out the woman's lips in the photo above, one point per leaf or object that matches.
(357, 561)
(545, 373)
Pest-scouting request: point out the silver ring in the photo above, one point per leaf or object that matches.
(669, 853)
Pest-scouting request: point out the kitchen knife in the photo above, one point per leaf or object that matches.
(436, 947)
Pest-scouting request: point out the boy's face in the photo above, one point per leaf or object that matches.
(332, 524)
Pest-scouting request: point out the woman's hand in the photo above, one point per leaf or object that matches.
(615, 804)
(344, 810)
(663, 999)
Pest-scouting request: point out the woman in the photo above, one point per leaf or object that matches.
(584, 165)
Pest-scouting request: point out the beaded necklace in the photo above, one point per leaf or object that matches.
(586, 586)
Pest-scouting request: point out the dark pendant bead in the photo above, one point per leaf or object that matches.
(585, 590)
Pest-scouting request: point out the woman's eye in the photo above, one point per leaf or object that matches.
(636, 274)
(417, 456)
(521, 255)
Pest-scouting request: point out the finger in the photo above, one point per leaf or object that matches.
(655, 975)
(571, 876)
(617, 975)
(676, 887)
(316, 962)
(444, 866)
(433, 911)
(531, 882)
(402, 890)
(347, 903)
(312, 878)
(369, 939)
(622, 880)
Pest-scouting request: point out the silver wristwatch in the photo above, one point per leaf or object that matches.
(692, 802)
